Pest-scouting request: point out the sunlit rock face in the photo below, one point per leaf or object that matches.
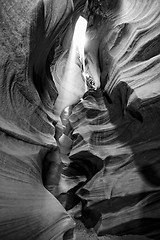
(133, 44)
(119, 124)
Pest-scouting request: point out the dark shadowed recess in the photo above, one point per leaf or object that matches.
(149, 50)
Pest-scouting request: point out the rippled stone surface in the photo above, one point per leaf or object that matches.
(27, 94)
(120, 126)
(114, 170)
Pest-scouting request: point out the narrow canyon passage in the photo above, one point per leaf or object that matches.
(79, 131)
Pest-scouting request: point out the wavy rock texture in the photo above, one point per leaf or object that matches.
(27, 133)
(114, 160)
(114, 169)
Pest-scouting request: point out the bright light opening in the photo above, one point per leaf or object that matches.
(69, 93)
(79, 39)
(80, 35)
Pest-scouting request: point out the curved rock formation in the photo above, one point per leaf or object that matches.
(112, 168)
(115, 131)
(27, 125)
